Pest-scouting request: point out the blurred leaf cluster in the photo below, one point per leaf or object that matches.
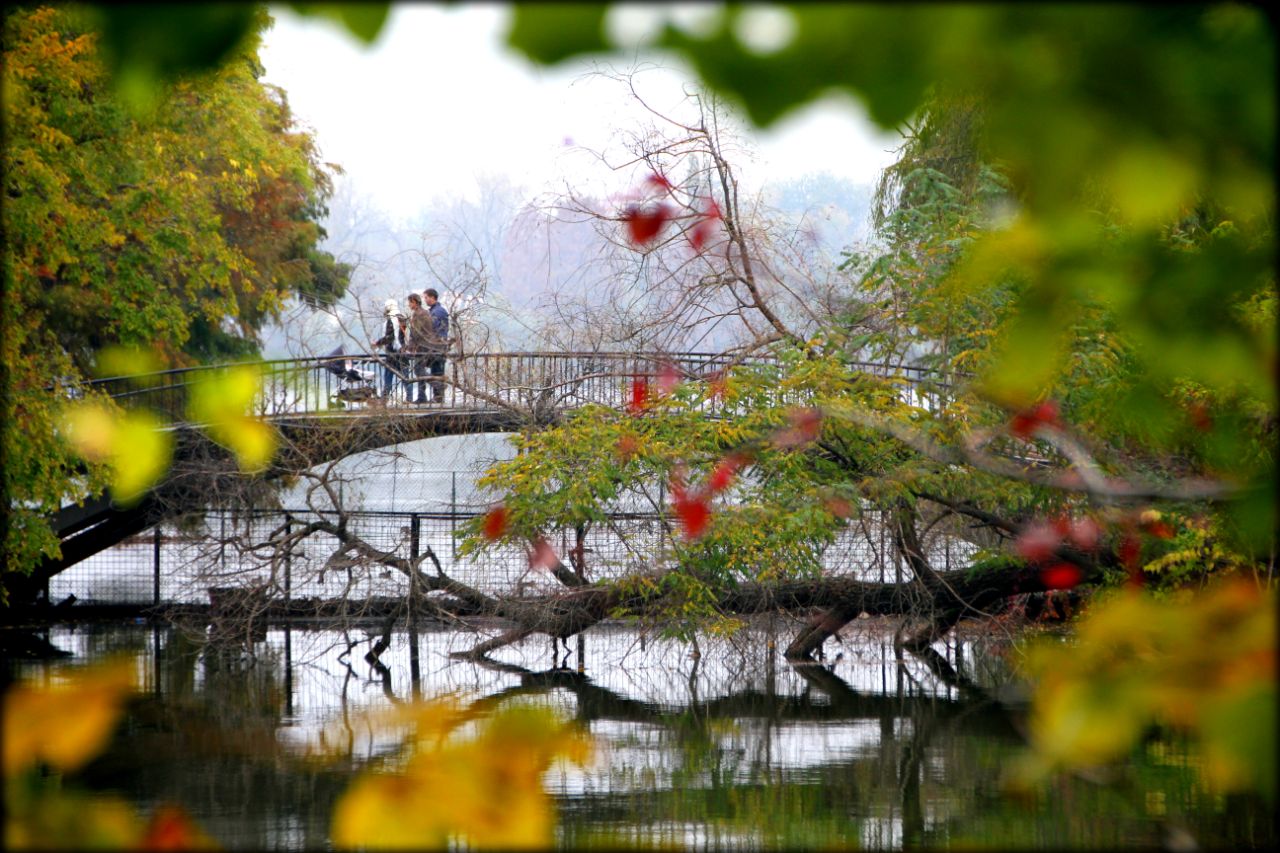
(483, 789)
(1204, 664)
(466, 775)
(52, 731)
(136, 447)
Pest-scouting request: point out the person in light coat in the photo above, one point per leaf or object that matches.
(392, 344)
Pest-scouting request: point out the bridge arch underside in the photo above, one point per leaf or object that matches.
(315, 439)
(199, 464)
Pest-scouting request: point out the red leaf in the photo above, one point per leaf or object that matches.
(1025, 423)
(171, 829)
(495, 522)
(639, 400)
(1060, 576)
(806, 424)
(1037, 542)
(694, 516)
(627, 446)
(1200, 417)
(668, 378)
(645, 223)
(705, 226)
(700, 234)
(839, 507)
(1085, 533)
(1130, 552)
(658, 181)
(724, 473)
(543, 556)
(675, 483)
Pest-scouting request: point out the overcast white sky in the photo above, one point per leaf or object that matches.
(439, 100)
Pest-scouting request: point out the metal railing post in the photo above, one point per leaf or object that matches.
(155, 577)
(415, 670)
(288, 569)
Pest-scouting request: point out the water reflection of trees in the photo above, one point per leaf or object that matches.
(707, 770)
(209, 734)
(778, 755)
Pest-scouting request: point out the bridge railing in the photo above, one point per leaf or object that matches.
(529, 381)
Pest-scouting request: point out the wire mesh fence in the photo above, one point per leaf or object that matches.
(183, 563)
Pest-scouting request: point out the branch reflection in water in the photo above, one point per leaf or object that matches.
(721, 744)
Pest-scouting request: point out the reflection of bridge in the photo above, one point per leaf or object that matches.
(329, 407)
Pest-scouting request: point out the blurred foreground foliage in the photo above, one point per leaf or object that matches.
(1203, 664)
(485, 788)
(50, 732)
(462, 777)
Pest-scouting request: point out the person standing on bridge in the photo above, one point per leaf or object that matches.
(419, 327)
(393, 344)
(428, 340)
(437, 344)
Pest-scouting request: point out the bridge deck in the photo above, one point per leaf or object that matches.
(485, 392)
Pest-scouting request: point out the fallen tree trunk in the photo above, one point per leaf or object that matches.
(938, 600)
(831, 602)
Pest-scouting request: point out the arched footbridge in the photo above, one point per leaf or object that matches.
(336, 405)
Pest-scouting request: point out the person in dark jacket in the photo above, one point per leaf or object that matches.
(392, 344)
(437, 345)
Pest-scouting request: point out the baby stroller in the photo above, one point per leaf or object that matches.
(355, 386)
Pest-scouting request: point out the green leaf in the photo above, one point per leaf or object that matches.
(146, 44)
(363, 20)
(552, 32)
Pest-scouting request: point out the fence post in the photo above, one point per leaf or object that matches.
(453, 513)
(288, 569)
(415, 666)
(155, 579)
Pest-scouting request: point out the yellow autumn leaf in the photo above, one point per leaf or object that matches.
(221, 404)
(135, 445)
(381, 812)
(485, 789)
(252, 441)
(126, 361)
(67, 723)
(141, 455)
(1085, 724)
(91, 430)
(227, 394)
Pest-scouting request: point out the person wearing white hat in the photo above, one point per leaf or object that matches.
(392, 343)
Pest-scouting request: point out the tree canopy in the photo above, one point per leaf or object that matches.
(175, 232)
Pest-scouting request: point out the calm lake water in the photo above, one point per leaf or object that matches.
(722, 747)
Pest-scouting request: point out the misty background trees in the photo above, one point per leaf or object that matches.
(531, 268)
